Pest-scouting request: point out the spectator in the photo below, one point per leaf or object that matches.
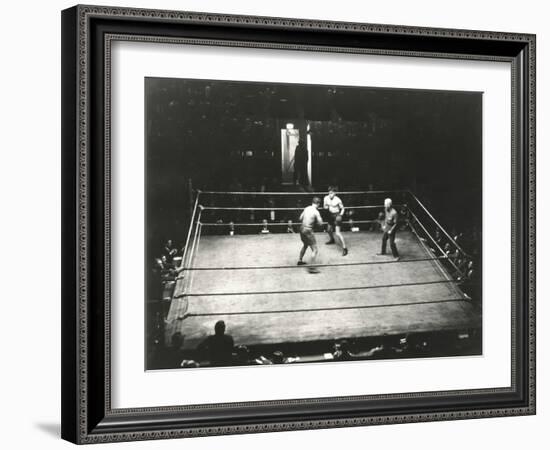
(242, 355)
(300, 164)
(218, 347)
(352, 226)
(271, 204)
(263, 185)
(341, 351)
(459, 239)
(159, 265)
(404, 216)
(262, 361)
(418, 345)
(438, 238)
(471, 282)
(435, 242)
(278, 357)
(155, 280)
(218, 229)
(375, 351)
(349, 215)
(167, 269)
(460, 266)
(186, 363)
(162, 265)
(169, 250)
(468, 272)
(170, 357)
(289, 227)
(455, 256)
(236, 200)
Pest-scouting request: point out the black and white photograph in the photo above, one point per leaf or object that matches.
(291, 219)
(275, 225)
(305, 223)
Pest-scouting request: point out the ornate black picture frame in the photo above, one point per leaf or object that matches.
(87, 35)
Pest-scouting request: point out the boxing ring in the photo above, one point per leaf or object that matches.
(234, 270)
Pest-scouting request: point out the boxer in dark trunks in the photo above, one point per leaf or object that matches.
(310, 215)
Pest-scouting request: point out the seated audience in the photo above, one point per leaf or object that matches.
(217, 348)
(278, 357)
(169, 250)
(438, 238)
(403, 216)
(242, 355)
(171, 356)
(341, 351)
(289, 227)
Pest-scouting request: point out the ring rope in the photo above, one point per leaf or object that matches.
(196, 241)
(417, 220)
(363, 263)
(195, 236)
(328, 308)
(191, 255)
(438, 224)
(430, 250)
(294, 224)
(243, 208)
(433, 240)
(184, 257)
(298, 291)
(295, 193)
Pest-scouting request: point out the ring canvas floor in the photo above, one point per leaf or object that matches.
(324, 314)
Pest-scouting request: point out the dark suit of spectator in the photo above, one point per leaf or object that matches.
(218, 348)
(169, 251)
(172, 356)
(300, 165)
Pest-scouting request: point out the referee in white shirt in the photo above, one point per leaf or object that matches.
(335, 208)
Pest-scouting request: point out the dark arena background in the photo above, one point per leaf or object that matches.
(225, 187)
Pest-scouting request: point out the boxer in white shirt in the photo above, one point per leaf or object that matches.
(389, 227)
(335, 208)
